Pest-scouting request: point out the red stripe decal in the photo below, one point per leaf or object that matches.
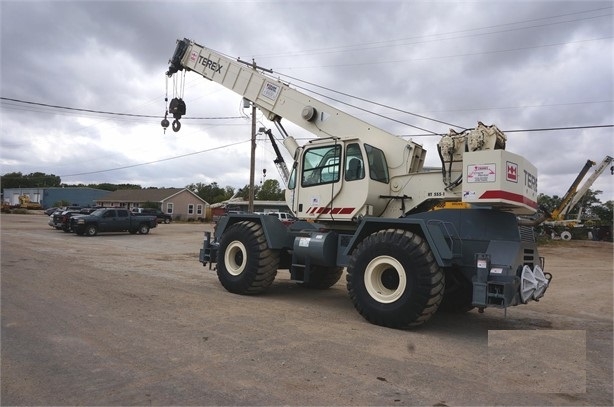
(508, 196)
(325, 211)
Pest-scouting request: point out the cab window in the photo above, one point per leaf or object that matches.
(321, 165)
(354, 163)
(378, 168)
(292, 179)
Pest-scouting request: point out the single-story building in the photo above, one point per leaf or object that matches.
(180, 203)
(49, 197)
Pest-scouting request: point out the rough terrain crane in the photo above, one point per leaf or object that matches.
(364, 199)
(574, 194)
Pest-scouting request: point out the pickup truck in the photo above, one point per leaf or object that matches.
(162, 217)
(112, 220)
(285, 217)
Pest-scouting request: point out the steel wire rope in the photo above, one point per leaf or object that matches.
(155, 161)
(368, 101)
(109, 113)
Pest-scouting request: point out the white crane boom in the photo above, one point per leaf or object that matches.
(355, 169)
(588, 183)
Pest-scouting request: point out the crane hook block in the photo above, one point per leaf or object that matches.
(177, 108)
(176, 125)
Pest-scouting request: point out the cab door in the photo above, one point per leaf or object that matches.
(107, 220)
(123, 219)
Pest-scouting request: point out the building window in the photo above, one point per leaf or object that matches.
(199, 209)
(191, 209)
(169, 208)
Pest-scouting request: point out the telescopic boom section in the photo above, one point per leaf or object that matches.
(277, 100)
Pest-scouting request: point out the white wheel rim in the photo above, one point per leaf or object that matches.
(233, 251)
(377, 278)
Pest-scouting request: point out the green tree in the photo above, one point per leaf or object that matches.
(270, 191)
(604, 212)
(244, 192)
(32, 180)
(212, 193)
(114, 187)
(548, 202)
(587, 204)
(61, 203)
(151, 205)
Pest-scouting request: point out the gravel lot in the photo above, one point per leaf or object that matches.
(123, 319)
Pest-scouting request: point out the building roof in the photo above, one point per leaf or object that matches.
(144, 195)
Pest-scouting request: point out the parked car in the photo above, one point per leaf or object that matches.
(161, 216)
(285, 217)
(49, 211)
(65, 217)
(56, 219)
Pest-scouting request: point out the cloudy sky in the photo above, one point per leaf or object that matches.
(522, 65)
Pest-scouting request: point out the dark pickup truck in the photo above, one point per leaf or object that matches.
(162, 217)
(112, 220)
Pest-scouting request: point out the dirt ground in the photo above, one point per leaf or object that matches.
(122, 319)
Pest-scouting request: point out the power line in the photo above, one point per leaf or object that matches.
(109, 113)
(467, 54)
(371, 102)
(153, 162)
(402, 41)
(245, 141)
(597, 126)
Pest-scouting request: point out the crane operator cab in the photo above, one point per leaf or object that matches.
(337, 181)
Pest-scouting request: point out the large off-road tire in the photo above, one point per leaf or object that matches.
(91, 230)
(393, 279)
(245, 264)
(323, 277)
(458, 294)
(143, 229)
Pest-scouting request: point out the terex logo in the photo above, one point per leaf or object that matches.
(207, 63)
(512, 172)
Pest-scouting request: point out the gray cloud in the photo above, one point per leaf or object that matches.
(520, 65)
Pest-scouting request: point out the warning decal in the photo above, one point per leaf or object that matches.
(481, 173)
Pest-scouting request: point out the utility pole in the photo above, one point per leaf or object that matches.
(252, 164)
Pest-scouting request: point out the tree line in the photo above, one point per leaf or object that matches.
(270, 190)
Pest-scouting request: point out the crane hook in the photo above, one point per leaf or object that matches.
(176, 125)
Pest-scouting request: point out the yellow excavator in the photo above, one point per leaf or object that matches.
(25, 203)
